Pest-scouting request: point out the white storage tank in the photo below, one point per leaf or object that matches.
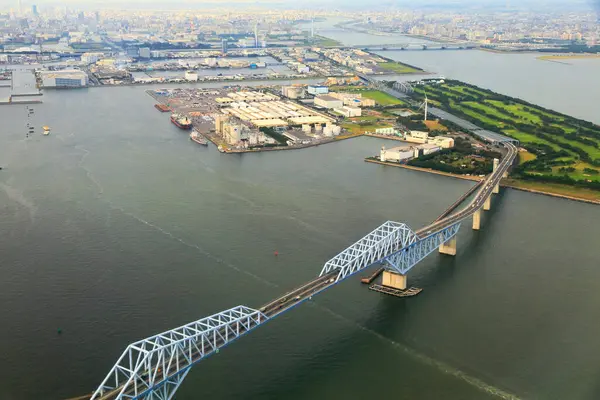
(328, 131)
(336, 129)
(318, 127)
(306, 128)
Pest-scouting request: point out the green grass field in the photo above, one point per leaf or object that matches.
(326, 42)
(380, 97)
(529, 138)
(531, 126)
(487, 109)
(398, 68)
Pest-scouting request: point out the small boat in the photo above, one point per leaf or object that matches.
(46, 130)
(196, 137)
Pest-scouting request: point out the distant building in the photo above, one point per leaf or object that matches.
(133, 52)
(224, 46)
(293, 92)
(144, 52)
(328, 102)
(91, 58)
(191, 76)
(316, 90)
(443, 141)
(387, 131)
(64, 79)
(349, 112)
(396, 154)
(303, 69)
(417, 137)
(34, 10)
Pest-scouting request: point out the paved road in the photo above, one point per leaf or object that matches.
(478, 201)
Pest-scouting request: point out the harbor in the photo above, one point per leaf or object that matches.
(251, 119)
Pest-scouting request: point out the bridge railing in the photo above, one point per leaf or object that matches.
(380, 243)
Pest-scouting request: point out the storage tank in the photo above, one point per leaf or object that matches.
(306, 128)
(328, 131)
(318, 127)
(336, 129)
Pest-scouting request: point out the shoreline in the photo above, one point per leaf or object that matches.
(503, 183)
(286, 148)
(431, 171)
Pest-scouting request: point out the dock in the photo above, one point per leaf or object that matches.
(369, 279)
(412, 291)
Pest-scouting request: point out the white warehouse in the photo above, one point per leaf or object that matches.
(64, 79)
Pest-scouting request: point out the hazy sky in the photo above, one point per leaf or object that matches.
(379, 4)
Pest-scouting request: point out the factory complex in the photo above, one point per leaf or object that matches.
(267, 110)
(239, 118)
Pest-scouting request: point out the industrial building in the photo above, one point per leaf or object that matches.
(402, 153)
(417, 137)
(328, 102)
(191, 76)
(353, 99)
(64, 79)
(91, 58)
(145, 52)
(397, 154)
(348, 111)
(317, 90)
(293, 92)
(390, 131)
(442, 141)
(267, 110)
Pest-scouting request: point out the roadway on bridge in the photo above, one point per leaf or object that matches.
(144, 385)
(138, 389)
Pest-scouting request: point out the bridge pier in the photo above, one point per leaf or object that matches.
(393, 280)
(496, 189)
(488, 204)
(477, 220)
(449, 248)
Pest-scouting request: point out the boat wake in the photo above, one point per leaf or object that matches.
(437, 364)
(194, 246)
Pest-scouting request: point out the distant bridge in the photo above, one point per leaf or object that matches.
(418, 46)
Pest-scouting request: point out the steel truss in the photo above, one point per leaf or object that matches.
(402, 261)
(388, 239)
(153, 368)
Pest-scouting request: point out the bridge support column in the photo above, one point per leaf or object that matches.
(505, 174)
(477, 220)
(496, 189)
(488, 204)
(393, 280)
(449, 248)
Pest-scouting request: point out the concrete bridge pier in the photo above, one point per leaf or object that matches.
(488, 204)
(449, 248)
(477, 220)
(393, 280)
(497, 187)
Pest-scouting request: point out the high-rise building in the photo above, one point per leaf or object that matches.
(34, 10)
(224, 46)
(256, 35)
(144, 52)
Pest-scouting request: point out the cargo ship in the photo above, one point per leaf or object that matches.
(196, 137)
(162, 108)
(181, 121)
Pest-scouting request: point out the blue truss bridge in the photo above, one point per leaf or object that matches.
(155, 367)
